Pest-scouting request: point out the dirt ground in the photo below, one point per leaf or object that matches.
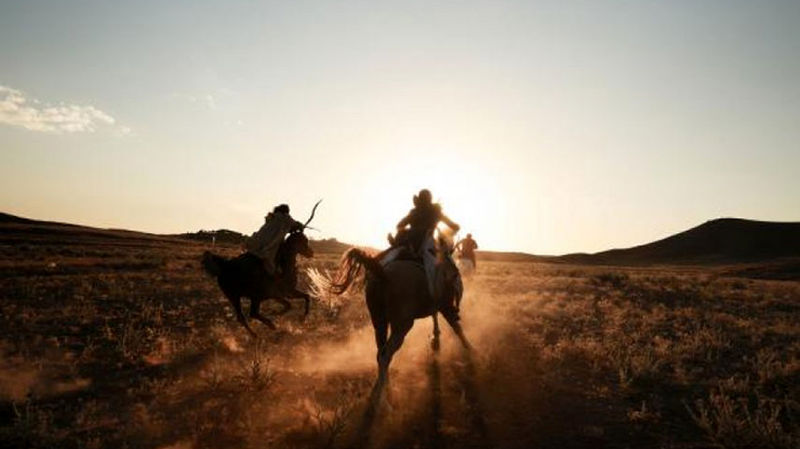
(118, 343)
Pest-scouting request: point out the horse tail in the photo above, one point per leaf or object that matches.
(213, 263)
(354, 262)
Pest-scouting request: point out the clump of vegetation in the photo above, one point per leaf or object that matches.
(614, 279)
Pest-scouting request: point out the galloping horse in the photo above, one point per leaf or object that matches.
(245, 276)
(397, 294)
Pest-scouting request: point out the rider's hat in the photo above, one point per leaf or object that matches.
(282, 208)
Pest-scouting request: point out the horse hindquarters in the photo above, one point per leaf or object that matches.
(382, 301)
(376, 304)
(231, 284)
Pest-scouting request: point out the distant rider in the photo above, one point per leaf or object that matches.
(467, 246)
(416, 231)
(265, 242)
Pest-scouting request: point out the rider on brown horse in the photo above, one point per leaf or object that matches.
(265, 242)
(415, 231)
(398, 290)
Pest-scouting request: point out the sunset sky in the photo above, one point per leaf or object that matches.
(541, 126)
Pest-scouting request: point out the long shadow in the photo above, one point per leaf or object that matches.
(364, 430)
(363, 433)
(475, 410)
(436, 400)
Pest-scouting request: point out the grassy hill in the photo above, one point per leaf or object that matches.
(765, 249)
(16, 230)
(721, 241)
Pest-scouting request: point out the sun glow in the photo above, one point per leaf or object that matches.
(467, 190)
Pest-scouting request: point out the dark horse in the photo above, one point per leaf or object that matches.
(397, 294)
(245, 276)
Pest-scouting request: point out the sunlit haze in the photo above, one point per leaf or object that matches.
(545, 127)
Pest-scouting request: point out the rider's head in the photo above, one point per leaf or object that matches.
(282, 208)
(469, 236)
(423, 198)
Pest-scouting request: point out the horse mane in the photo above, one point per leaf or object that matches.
(283, 258)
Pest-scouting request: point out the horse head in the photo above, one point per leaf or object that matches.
(297, 243)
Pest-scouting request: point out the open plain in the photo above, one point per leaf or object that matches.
(119, 339)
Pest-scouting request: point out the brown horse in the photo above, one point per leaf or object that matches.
(397, 294)
(245, 276)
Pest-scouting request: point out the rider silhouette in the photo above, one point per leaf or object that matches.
(421, 221)
(416, 231)
(468, 246)
(265, 242)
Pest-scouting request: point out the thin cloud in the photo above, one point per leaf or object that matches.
(17, 110)
(207, 100)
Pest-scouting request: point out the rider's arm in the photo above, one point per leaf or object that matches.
(450, 223)
(404, 222)
(294, 225)
(297, 226)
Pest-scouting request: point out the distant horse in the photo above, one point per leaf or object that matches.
(466, 267)
(245, 276)
(397, 294)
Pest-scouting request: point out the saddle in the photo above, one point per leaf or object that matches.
(404, 242)
(409, 255)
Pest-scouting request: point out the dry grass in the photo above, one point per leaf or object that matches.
(132, 346)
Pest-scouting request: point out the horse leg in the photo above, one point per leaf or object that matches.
(381, 327)
(298, 294)
(255, 313)
(376, 304)
(436, 332)
(452, 319)
(396, 337)
(236, 301)
(385, 354)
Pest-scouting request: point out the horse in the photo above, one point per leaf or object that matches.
(245, 276)
(397, 293)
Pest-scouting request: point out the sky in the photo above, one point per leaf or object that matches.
(548, 127)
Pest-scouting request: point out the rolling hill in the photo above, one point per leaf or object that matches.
(720, 241)
(16, 230)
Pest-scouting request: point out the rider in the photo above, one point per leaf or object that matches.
(416, 229)
(265, 242)
(468, 247)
